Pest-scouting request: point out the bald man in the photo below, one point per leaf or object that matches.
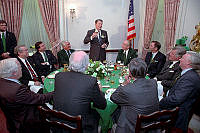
(126, 54)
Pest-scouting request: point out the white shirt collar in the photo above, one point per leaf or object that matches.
(14, 80)
(154, 54)
(185, 70)
(22, 59)
(126, 52)
(4, 33)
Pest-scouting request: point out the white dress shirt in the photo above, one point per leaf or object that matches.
(154, 54)
(4, 34)
(30, 83)
(126, 52)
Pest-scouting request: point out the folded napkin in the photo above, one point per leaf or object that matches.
(108, 94)
(105, 86)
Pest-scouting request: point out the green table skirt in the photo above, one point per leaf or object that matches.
(113, 81)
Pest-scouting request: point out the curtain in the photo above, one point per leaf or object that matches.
(50, 15)
(11, 12)
(141, 25)
(32, 29)
(150, 17)
(170, 20)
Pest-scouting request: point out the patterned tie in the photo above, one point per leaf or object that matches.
(99, 38)
(45, 57)
(35, 78)
(4, 42)
(177, 78)
(68, 53)
(152, 58)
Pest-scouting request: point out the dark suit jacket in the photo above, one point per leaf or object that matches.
(96, 52)
(63, 57)
(155, 65)
(20, 104)
(11, 43)
(74, 93)
(139, 97)
(26, 76)
(45, 69)
(131, 54)
(183, 94)
(168, 75)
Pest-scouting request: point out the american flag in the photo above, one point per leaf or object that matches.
(131, 22)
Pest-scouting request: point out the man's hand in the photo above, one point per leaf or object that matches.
(95, 34)
(104, 46)
(127, 79)
(37, 83)
(100, 87)
(5, 55)
(45, 63)
(43, 78)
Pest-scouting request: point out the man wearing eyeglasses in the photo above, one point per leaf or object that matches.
(7, 41)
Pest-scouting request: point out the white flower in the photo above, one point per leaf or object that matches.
(103, 71)
(102, 66)
(92, 65)
(98, 68)
(94, 74)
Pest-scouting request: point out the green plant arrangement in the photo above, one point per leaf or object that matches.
(96, 69)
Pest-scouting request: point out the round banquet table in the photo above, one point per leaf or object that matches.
(107, 83)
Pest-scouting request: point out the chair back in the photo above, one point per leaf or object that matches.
(46, 114)
(155, 121)
(195, 109)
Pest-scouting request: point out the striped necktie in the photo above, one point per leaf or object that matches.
(34, 75)
(45, 57)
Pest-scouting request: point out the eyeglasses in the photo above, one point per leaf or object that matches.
(3, 25)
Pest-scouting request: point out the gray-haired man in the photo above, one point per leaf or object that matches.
(171, 70)
(185, 91)
(17, 101)
(65, 53)
(74, 92)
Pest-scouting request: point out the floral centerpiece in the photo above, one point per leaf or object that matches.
(96, 69)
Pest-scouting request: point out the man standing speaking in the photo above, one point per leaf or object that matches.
(98, 39)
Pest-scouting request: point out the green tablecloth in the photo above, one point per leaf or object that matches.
(106, 120)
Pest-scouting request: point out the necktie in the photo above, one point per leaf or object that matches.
(45, 57)
(4, 42)
(124, 57)
(99, 38)
(152, 57)
(35, 78)
(69, 53)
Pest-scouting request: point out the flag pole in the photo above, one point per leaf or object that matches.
(131, 43)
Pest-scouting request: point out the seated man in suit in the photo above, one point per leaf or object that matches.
(155, 59)
(126, 54)
(44, 59)
(185, 91)
(17, 102)
(171, 69)
(139, 97)
(75, 91)
(30, 74)
(7, 41)
(64, 54)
